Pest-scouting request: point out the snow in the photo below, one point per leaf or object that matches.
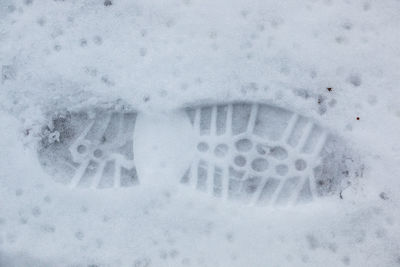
(160, 56)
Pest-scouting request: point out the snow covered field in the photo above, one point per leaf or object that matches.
(124, 124)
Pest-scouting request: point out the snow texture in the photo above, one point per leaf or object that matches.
(199, 133)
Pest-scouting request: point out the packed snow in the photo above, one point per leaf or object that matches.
(336, 63)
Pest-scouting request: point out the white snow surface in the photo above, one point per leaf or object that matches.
(159, 56)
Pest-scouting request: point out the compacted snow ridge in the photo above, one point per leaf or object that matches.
(199, 133)
(263, 154)
(90, 149)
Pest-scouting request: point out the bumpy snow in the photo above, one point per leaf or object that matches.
(334, 62)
